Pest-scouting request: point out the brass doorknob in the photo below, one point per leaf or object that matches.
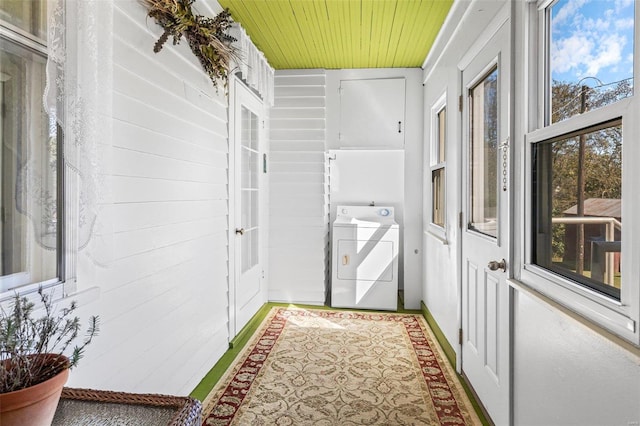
(240, 231)
(494, 265)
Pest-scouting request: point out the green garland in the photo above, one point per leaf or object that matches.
(207, 37)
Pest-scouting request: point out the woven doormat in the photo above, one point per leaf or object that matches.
(322, 367)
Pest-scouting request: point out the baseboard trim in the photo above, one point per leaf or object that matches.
(449, 352)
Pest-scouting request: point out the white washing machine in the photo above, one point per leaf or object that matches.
(365, 258)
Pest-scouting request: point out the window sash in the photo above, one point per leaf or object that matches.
(20, 40)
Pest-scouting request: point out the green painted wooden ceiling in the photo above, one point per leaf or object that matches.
(336, 34)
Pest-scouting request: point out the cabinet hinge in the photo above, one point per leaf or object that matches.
(460, 335)
(460, 220)
(460, 103)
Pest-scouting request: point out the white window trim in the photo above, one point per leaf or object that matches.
(620, 317)
(440, 232)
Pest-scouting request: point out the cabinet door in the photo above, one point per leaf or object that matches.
(372, 113)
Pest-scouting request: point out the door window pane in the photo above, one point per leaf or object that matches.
(484, 155)
(578, 200)
(591, 55)
(437, 182)
(442, 127)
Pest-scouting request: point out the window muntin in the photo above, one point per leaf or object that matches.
(590, 56)
(438, 170)
(577, 198)
(30, 151)
(484, 154)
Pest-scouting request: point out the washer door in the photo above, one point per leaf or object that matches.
(365, 260)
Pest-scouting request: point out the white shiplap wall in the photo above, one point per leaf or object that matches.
(163, 291)
(298, 218)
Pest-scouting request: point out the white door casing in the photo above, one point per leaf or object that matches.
(486, 312)
(246, 230)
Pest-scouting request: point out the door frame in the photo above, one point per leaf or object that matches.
(233, 164)
(504, 16)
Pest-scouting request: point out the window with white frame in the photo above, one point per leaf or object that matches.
(577, 230)
(438, 164)
(30, 153)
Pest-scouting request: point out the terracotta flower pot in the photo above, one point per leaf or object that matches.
(35, 405)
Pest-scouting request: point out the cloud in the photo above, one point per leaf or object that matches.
(568, 11)
(609, 54)
(590, 41)
(622, 4)
(570, 52)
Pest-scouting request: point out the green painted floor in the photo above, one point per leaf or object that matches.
(237, 344)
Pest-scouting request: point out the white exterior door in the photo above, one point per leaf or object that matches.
(486, 231)
(247, 124)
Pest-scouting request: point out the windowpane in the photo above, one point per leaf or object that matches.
(484, 154)
(591, 55)
(578, 199)
(28, 163)
(437, 188)
(28, 15)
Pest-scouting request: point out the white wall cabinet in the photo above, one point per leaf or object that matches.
(372, 113)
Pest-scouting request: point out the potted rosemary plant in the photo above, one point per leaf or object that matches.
(34, 362)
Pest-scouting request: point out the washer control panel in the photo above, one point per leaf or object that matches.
(366, 212)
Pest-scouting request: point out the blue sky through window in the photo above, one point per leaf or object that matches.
(592, 38)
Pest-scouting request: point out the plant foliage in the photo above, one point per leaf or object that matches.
(23, 337)
(207, 37)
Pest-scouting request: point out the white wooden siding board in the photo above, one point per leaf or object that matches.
(285, 252)
(293, 202)
(144, 290)
(137, 190)
(299, 91)
(311, 146)
(297, 157)
(135, 138)
(126, 81)
(140, 164)
(149, 239)
(276, 222)
(298, 124)
(292, 113)
(277, 179)
(300, 293)
(300, 245)
(135, 216)
(128, 270)
(211, 348)
(299, 237)
(175, 362)
(148, 66)
(296, 191)
(301, 260)
(297, 134)
(299, 80)
(133, 25)
(297, 167)
(281, 275)
(149, 319)
(172, 358)
(299, 102)
(133, 111)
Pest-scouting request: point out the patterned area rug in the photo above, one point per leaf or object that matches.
(319, 367)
